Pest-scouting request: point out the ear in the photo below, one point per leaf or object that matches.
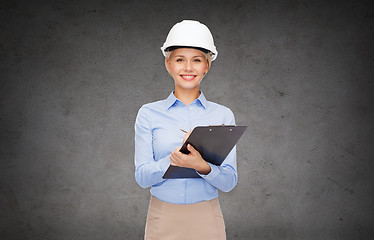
(207, 67)
(167, 64)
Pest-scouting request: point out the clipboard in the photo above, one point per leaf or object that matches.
(214, 143)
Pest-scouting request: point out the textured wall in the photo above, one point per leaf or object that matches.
(298, 73)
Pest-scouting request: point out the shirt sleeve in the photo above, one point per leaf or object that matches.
(148, 171)
(225, 176)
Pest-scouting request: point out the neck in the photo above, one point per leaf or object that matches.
(187, 95)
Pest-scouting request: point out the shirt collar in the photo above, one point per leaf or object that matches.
(170, 101)
(202, 99)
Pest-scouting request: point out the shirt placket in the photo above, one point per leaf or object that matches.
(190, 113)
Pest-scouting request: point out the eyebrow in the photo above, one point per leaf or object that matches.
(184, 56)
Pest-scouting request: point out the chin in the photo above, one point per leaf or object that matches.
(189, 85)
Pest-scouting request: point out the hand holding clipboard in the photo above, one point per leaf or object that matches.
(214, 143)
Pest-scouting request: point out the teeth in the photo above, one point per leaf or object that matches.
(188, 77)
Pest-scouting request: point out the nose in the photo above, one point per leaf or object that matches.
(188, 66)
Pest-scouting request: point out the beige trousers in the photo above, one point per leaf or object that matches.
(167, 221)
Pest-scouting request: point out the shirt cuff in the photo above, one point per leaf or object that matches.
(214, 171)
(164, 163)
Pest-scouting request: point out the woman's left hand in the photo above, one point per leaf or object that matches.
(191, 160)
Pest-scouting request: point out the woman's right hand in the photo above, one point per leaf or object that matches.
(192, 160)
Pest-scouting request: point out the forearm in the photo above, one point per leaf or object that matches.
(204, 168)
(150, 173)
(222, 177)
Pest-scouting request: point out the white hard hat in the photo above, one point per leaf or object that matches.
(190, 33)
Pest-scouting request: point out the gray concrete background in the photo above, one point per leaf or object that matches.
(298, 73)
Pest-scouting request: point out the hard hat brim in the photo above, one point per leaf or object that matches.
(171, 48)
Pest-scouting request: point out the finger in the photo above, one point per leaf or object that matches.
(191, 149)
(185, 138)
(176, 151)
(177, 156)
(187, 134)
(173, 160)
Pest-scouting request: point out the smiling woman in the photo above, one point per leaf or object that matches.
(184, 208)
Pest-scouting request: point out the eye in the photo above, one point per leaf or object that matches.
(179, 60)
(197, 60)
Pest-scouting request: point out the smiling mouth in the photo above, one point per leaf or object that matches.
(188, 77)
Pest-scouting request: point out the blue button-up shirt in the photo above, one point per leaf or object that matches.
(157, 134)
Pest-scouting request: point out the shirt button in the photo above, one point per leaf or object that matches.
(182, 194)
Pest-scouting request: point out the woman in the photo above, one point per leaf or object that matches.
(183, 208)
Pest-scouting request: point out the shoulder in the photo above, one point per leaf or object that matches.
(219, 107)
(228, 114)
(151, 110)
(151, 107)
(148, 111)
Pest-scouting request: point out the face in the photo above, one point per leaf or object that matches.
(187, 66)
